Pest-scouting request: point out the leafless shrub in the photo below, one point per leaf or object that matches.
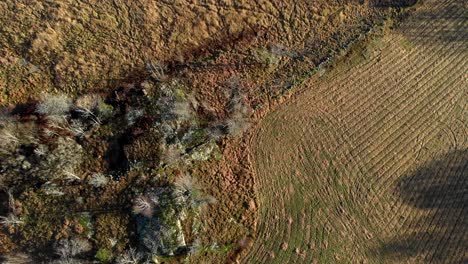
(171, 154)
(195, 247)
(133, 114)
(41, 150)
(52, 189)
(11, 202)
(70, 176)
(238, 107)
(65, 157)
(88, 113)
(10, 220)
(113, 242)
(192, 101)
(88, 102)
(18, 258)
(7, 137)
(67, 261)
(215, 132)
(201, 201)
(182, 110)
(157, 70)
(50, 132)
(69, 248)
(231, 84)
(54, 105)
(88, 105)
(183, 189)
(280, 50)
(186, 192)
(76, 128)
(56, 121)
(98, 180)
(131, 256)
(237, 126)
(184, 185)
(145, 205)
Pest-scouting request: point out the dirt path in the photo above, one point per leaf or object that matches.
(370, 164)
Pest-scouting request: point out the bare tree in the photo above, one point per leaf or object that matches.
(157, 70)
(98, 180)
(131, 256)
(145, 205)
(171, 154)
(10, 220)
(69, 248)
(70, 176)
(187, 193)
(8, 137)
(18, 258)
(237, 126)
(54, 105)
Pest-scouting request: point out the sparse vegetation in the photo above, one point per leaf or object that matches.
(18, 258)
(131, 256)
(146, 113)
(98, 180)
(54, 106)
(48, 155)
(67, 249)
(10, 220)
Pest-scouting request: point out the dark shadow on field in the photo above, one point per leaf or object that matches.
(393, 3)
(439, 190)
(442, 22)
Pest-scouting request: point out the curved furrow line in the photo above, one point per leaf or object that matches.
(377, 155)
(389, 171)
(365, 67)
(414, 55)
(460, 180)
(329, 163)
(372, 101)
(421, 120)
(379, 128)
(345, 78)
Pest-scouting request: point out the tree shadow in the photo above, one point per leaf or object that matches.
(437, 22)
(393, 3)
(436, 230)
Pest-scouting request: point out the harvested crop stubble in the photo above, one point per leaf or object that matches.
(368, 164)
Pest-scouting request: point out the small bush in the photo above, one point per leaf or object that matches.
(237, 126)
(18, 258)
(157, 70)
(145, 205)
(89, 102)
(103, 255)
(133, 114)
(186, 192)
(130, 256)
(54, 105)
(69, 248)
(172, 154)
(98, 180)
(10, 220)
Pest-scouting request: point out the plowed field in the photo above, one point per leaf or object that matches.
(370, 163)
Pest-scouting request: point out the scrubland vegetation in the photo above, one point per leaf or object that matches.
(126, 130)
(138, 142)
